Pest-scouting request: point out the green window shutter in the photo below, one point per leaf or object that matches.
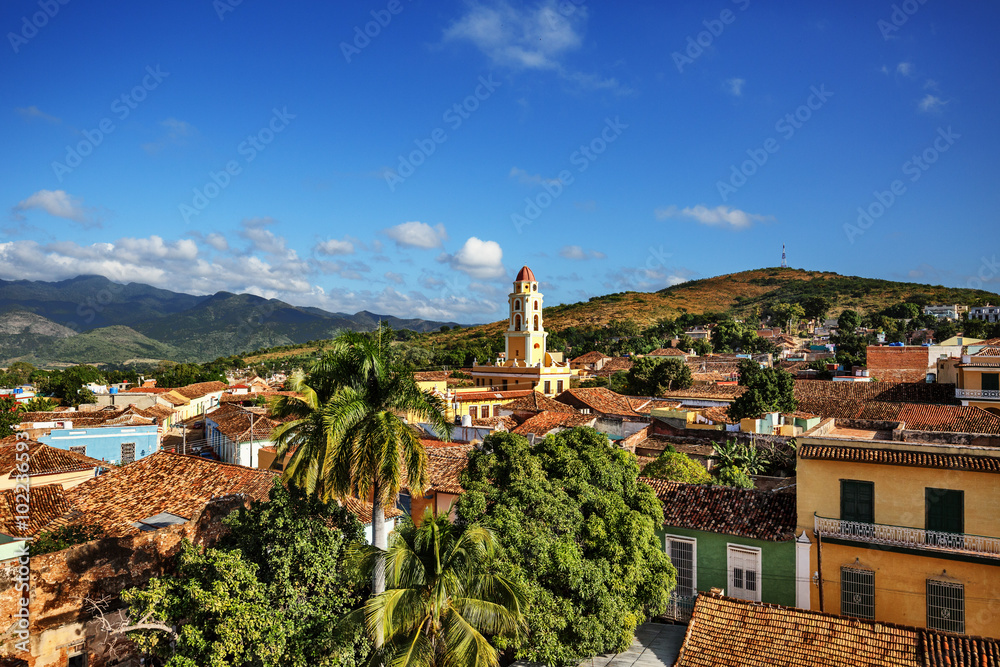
(857, 501)
(945, 510)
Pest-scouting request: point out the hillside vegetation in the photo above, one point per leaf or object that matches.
(740, 295)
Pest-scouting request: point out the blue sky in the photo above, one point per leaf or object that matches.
(279, 149)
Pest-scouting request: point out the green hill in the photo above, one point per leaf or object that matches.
(114, 345)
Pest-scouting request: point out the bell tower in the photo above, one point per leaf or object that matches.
(525, 335)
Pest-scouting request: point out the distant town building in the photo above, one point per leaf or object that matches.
(953, 312)
(986, 313)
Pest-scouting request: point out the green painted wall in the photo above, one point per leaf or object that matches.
(777, 563)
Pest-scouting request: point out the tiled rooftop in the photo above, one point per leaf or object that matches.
(590, 358)
(537, 402)
(667, 352)
(163, 482)
(720, 509)
(42, 459)
(901, 392)
(603, 401)
(916, 416)
(901, 458)
(710, 391)
(614, 365)
(199, 389)
(46, 502)
(728, 632)
(544, 422)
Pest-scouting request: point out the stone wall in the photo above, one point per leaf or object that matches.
(61, 584)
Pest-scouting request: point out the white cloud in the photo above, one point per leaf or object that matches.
(394, 278)
(524, 178)
(478, 259)
(905, 68)
(217, 241)
(417, 235)
(177, 131)
(644, 279)
(720, 215)
(931, 104)
(529, 38)
(54, 202)
(578, 253)
(34, 113)
(187, 266)
(335, 247)
(735, 86)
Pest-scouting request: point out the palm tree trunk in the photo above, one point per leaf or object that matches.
(380, 539)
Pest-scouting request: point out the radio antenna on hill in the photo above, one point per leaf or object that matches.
(784, 262)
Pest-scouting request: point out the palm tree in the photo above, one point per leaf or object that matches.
(346, 435)
(442, 598)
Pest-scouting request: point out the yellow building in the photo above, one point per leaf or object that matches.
(899, 531)
(525, 364)
(977, 378)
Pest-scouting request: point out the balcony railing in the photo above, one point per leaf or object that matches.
(901, 536)
(977, 393)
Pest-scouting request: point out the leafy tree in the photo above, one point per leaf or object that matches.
(443, 597)
(902, 311)
(701, 347)
(222, 610)
(653, 377)
(298, 544)
(18, 373)
(346, 430)
(734, 477)
(848, 321)
(768, 390)
(64, 537)
(677, 467)
(9, 417)
(746, 457)
(577, 530)
(816, 307)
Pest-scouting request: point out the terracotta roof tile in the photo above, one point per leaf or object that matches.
(363, 510)
(444, 465)
(545, 422)
(46, 503)
(893, 392)
(537, 402)
(614, 365)
(602, 400)
(667, 352)
(726, 632)
(711, 391)
(199, 389)
(730, 511)
(42, 459)
(948, 650)
(163, 482)
(916, 416)
(505, 423)
(590, 358)
(901, 458)
(432, 376)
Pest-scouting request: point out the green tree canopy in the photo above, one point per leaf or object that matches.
(677, 467)
(577, 529)
(650, 376)
(768, 390)
(9, 417)
(269, 594)
(848, 321)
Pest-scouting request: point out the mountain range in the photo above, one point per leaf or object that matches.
(90, 319)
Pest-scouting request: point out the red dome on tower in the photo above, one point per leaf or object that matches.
(525, 275)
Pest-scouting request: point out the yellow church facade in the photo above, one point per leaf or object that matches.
(525, 362)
